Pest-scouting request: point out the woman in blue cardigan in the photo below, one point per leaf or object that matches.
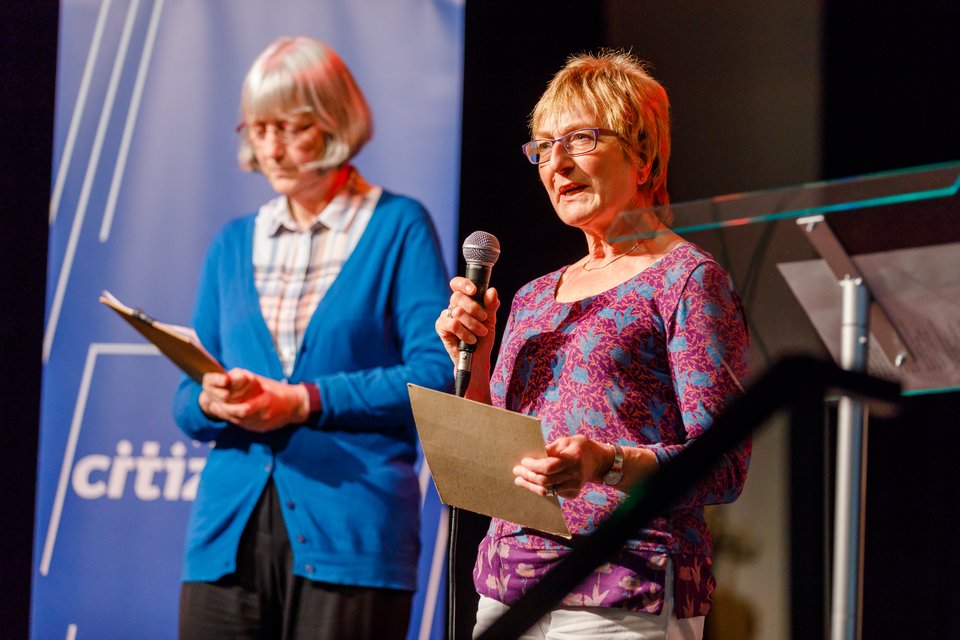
(321, 306)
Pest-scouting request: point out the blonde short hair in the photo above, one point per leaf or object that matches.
(304, 74)
(616, 87)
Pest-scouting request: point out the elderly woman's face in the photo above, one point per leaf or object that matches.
(588, 191)
(284, 147)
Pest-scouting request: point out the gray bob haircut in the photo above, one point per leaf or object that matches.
(295, 75)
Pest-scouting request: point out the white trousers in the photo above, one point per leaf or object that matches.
(602, 623)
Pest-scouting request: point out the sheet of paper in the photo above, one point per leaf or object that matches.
(919, 288)
(472, 448)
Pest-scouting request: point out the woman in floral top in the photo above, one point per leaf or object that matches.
(626, 356)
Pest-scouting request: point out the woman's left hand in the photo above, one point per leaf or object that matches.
(570, 462)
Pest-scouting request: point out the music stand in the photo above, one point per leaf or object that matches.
(892, 243)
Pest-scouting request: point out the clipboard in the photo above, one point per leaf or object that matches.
(180, 344)
(472, 448)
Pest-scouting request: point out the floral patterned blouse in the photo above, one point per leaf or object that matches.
(645, 364)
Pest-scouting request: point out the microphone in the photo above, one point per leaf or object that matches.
(480, 250)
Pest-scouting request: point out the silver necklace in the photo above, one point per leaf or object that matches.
(628, 251)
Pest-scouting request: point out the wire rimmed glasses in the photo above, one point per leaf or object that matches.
(575, 143)
(285, 131)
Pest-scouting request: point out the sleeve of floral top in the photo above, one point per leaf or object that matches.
(707, 344)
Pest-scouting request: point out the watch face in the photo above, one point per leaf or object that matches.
(613, 478)
(615, 474)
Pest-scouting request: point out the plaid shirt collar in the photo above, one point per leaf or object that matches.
(337, 215)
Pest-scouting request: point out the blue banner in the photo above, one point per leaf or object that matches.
(145, 172)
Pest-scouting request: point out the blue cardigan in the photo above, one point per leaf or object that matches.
(346, 480)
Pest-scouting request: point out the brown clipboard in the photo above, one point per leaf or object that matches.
(178, 343)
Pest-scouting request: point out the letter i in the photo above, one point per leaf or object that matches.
(123, 463)
(176, 468)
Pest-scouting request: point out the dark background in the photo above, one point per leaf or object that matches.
(28, 48)
(883, 76)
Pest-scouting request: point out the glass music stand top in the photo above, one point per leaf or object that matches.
(785, 250)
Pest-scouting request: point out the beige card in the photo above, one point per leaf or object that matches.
(472, 448)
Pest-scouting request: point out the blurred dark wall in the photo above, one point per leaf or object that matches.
(28, 49)
(890, 98)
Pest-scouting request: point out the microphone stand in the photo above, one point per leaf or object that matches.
(452, 574)
(462, 382)
(460, 390)
(480, 250)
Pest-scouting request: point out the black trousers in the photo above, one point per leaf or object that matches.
(263, 600)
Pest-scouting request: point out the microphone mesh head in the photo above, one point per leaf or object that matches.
(482, 248)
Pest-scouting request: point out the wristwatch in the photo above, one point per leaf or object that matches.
(614, 474)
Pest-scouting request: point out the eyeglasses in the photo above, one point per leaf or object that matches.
(286, 131)
(575, 143)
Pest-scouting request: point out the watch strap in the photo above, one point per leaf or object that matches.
(313, 393)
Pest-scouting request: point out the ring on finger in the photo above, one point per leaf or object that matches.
(449, 312)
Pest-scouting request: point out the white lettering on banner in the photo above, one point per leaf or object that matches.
(174, 477)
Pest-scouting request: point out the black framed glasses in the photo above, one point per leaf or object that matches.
(575, 143)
